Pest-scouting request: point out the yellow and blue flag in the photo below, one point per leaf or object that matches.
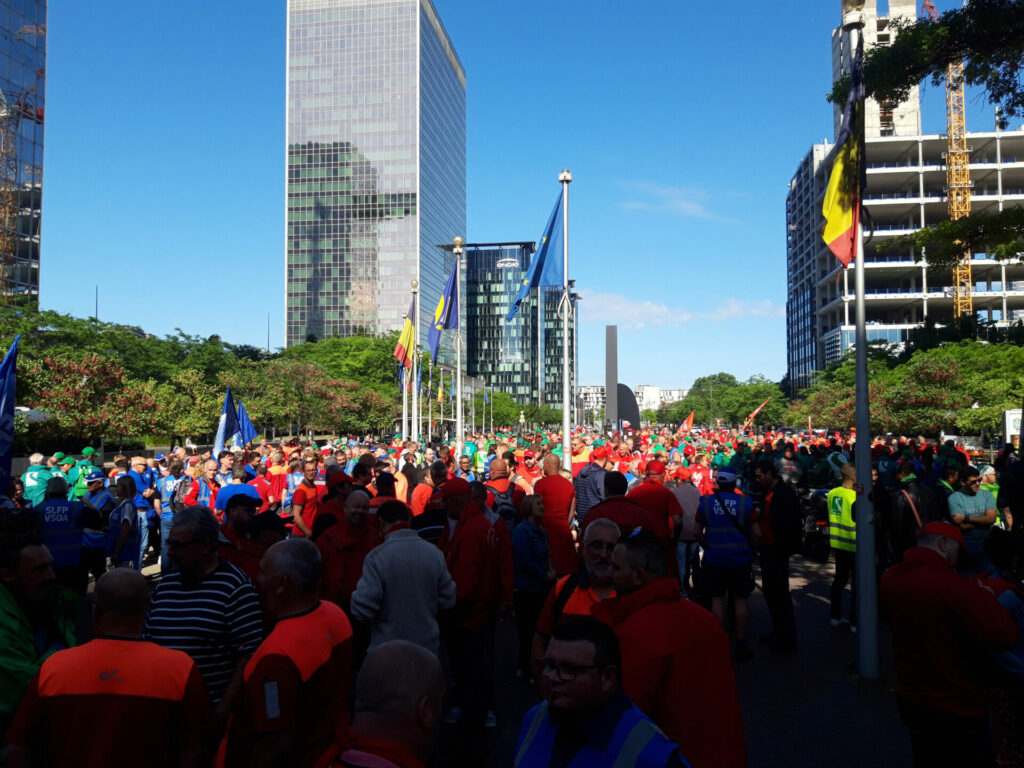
(547, 265)
(403, 349)
(446, 315)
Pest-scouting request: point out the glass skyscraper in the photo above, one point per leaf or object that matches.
(510, 354)
(376, 165)
(23, 87)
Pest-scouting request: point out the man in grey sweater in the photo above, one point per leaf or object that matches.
(405, 583)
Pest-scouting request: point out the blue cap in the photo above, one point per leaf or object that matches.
(727, 475)
(159, 457)
(96, 474)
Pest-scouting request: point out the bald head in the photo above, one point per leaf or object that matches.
(121, 599)
(499, 469)
(296, 559)
(122, 592)
(395, 677)
(552, 464)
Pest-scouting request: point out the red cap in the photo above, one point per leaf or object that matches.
(655, 468)
(682, 474)
(457, 486)
(528, 454)
(947, 530)
(642, 467)
(689, 450)
(601, 452)
(193, 459)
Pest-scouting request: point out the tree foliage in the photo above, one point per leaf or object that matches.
(721, 396)
(958, 387)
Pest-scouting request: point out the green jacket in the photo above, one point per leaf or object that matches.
(19, 658)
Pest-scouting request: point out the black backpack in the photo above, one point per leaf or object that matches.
(504, 505)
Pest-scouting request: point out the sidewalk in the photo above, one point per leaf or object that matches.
(813, 710)
(810, 710)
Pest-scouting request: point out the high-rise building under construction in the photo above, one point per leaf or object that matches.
(22, 93)
(376, 159)
(906, 190)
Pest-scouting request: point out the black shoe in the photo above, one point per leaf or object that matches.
(766, 639)
(742, 652)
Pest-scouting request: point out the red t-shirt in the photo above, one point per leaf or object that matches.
(558, 495)
(420, 497)
(308, 498)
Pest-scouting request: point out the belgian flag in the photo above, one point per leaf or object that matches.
(844, 194)
(403, 349)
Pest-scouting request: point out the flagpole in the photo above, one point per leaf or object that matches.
(867, 586)
(415, 431)
(540, 346)
(403, 375)
(565, 178)
(457, 250)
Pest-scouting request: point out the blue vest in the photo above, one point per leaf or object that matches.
(61, 521)
(293, 480)
(724, 545)
(130, 551)
(96, 539)
(636, 742)
(205, 492)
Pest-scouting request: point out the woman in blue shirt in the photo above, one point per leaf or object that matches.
(123, 539)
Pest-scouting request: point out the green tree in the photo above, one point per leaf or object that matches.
(368, 360)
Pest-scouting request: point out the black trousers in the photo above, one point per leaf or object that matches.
(775, 583)
(943, 740)
(528, 606)
(466, 652)
(846, 572)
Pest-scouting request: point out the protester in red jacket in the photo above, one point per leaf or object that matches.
(468, 543)
(675, 656)
(943, 626)
(344, 546)
(656, 498)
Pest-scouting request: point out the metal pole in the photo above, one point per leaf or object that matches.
(457, 250)
(565, 178)
(402, 381)
(415, 431)
(430, 404)
(540, 346)
(867, 597)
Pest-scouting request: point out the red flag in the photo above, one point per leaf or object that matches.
(687, 425)
(751, 417)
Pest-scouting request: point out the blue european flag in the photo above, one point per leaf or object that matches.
(419, 380)
(8, 386)
(227, 427)
(451, 392)
(546, 267)
(486, 399)
(245, 425)
(446, 315)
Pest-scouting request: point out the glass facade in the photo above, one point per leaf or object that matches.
(503, 354)
(506, 354)
(23, 87)
(376, 165)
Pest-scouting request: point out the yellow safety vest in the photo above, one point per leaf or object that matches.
(842, 530)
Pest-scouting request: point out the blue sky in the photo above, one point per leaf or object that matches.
(682, 123)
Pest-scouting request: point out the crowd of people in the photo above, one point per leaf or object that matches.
(310, 604)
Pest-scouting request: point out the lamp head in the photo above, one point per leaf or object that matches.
(457, 242)
(853, 5)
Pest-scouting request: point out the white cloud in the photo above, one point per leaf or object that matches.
(637, 314)
(678, 201)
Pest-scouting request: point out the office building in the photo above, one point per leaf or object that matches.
(376, 143)
(509, 354)
(906, 181)
(22, 109)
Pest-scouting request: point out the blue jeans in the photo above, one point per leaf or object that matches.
(143, 536)
(165, 531)
(688, 559)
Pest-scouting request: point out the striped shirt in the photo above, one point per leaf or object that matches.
(217, 622)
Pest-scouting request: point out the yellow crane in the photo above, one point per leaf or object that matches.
(958, 174)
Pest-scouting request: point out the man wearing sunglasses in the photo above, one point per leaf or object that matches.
(974, 510)
(585, 718)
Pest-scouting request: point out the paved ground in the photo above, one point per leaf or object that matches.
(806, 711)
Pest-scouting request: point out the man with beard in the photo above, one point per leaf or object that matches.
(586, 719)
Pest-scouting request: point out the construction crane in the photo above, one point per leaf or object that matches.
(13, 109)
(958, 174)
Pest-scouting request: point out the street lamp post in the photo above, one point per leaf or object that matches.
(457, 250)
